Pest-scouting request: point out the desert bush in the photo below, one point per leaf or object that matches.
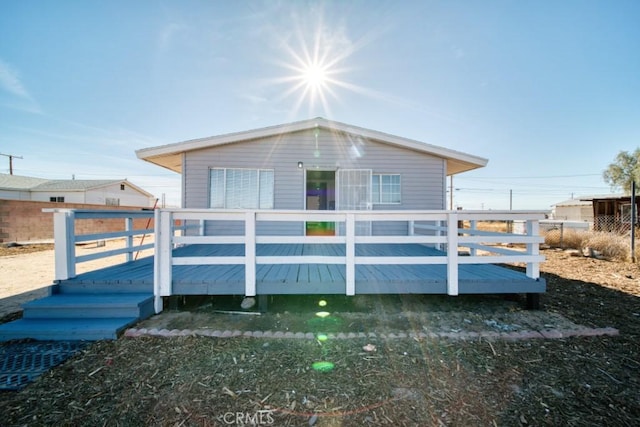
(566, 239)
(609, 245)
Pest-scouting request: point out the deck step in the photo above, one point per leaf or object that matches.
(65, 329)
(103, 288)
(82, 306)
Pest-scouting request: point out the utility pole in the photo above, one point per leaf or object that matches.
(11, 157)
(634, 217)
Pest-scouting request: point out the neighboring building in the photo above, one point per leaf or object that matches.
(613, 212)
(573, 210)
(93, 192)
(314, 164)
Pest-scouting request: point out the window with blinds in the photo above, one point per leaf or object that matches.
(241, 188)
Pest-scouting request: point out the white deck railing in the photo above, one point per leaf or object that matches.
(65, 237)
(439, 228)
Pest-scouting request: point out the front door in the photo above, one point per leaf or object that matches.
(321, 196)
(354, 193)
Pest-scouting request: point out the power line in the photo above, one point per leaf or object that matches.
(531, 177)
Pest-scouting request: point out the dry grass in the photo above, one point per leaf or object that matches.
(495, 226)
(609, 245)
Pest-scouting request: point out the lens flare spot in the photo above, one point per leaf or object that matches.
(322, 303)
(322, 366)
(322, 337)
(323, 314)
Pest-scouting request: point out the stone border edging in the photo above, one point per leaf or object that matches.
(462, 335)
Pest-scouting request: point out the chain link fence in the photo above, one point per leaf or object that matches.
(620, 224)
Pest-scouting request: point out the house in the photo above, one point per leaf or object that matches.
(23, 198)
(612, 212)
(315, 207)
(314, 164)
(573, 210)
(86, 191)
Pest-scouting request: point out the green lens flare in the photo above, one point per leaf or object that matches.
(323, 314)
(322, 303)
(322, 366)
(322, 337)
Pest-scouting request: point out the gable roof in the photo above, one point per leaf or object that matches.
(27, 183)
(170, 156)
(17, 182)
(573, 202)
(75, 184)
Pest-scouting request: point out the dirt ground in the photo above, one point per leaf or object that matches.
(203, 381)
(26, 271)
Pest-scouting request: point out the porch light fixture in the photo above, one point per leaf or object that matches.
(300, 165)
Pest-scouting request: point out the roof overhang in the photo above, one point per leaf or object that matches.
(170, 156)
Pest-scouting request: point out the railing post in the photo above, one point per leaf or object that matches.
(412, 228)
(533, 229)
(473, 224)
(162, 264)
(64, 244)
(439, 246)
(128, 226)
(452, 253)
(250, 254)
(350, 266)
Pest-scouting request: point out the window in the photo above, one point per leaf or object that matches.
(625, 213)
(122, 187)
(56, 199)
(111, 201)
(241, 188)
(385, 189)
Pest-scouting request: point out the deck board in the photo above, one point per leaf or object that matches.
(316, 278)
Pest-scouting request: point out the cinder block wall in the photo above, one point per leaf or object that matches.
(24, 221)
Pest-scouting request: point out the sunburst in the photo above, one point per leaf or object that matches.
(315, 57)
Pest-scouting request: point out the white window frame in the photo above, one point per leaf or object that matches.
(262, 204)
(376, 197)
(625, 213)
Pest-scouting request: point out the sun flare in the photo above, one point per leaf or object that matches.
(318, 58)
(315, 76)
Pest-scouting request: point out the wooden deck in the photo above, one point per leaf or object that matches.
(313, 278)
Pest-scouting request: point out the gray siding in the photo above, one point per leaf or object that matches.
(422, 175)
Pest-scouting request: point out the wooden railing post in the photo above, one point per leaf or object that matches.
(250, 254)
(473, 226)
(163, 257)
(533, 229)
(65, 244)
(350, 267)
(439, 223)
(128, 226)
(452, 253)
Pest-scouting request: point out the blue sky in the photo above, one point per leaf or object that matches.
(548, 91)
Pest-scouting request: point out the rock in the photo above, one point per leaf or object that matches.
(248, 303)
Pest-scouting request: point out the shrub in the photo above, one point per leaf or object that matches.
(567, 239)
(611, 246)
